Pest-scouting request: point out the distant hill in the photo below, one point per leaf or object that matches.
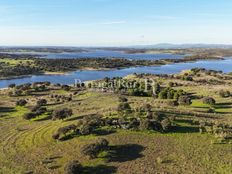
(175, 46)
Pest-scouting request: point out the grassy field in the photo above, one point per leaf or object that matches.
(27, 146)
(14, 62)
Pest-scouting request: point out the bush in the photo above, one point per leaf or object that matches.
(29, 115)
(12, 85)
(209, 101)
(184, 100)
(73, 167)
(64, 130)
(133, 124)
(124, 107)
(21, 102)
(42, 102)
(187, 78)
(170, 84)
(146, 107)
(86, 129)
(41, 110)
(166, 124)
(145, 125)
(224, 94)
(61, 113)
(158, 117)
(123, 99)
(163, 94)
(66, 87)
(103, 143)
(92, 150)
(56, 136)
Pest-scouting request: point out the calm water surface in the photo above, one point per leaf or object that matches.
(222, 65)
(104, 53)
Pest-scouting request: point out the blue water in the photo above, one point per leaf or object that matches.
(222, 65)
(104, 54)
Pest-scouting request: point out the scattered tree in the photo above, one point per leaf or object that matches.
(21, 102)
(61, 113)
(73, 167)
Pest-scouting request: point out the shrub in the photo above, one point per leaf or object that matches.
(187, 78)
(147, 107)
(29, 115)
(56, 136)
(42, 102)
(86, 129)
(64, 130)
(21, 102)
(73, 167)
(92, 150)
(61, 113)
(66, 87)
(35, 108)
(163, 94)
(93, 121)
(103, 143)
(123, 99)
(133, 124)
(170, 94)
(158, 117)
(166, 124)
(41, 110)
(149, 115)
(124, 107)
(12, 85)
(145, 124)
(170, 84)
(224, 94)
(211, 110)
(209, 101)
(157, 88)
(184, 100)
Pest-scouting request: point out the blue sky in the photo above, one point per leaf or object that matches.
(114, 22)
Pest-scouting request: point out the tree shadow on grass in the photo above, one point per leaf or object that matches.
(100, 169)
(38, 95)
(123, 153)
(222, 104)
(185, 129)
(7, 109)
(74, 118)
(69, 136)
(54, 104)
(101, 132)
(54, 167)
(184, 121)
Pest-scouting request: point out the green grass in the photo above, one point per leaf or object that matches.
(14, 62)
(25, 145)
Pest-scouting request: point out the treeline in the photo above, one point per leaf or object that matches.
(42, 49)
(95, 63)
(40, 65)
(19, 70)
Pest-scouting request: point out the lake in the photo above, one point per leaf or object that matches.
(105, 54)
(69, 78)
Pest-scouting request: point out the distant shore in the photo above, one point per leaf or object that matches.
(156, 63)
